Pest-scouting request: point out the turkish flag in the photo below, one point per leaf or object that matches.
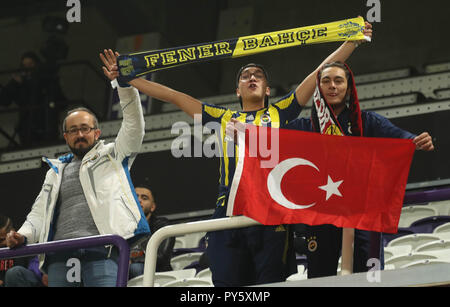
(314, 179)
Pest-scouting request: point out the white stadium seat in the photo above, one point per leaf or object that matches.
(421, 262)
(411, 214)
(393, 251)
(400, 261)
(413, 240)
(181, 261)
(443, 207)
(444, 228)
(162, 278)
(189, 282)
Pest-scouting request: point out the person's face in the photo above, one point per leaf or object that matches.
(80, 134)
(252, 85)
(146, 200)
(333, 83)
(28, 63)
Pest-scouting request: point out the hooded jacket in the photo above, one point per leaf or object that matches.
(105, 180)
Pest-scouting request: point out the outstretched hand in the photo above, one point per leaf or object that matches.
(109, 58)
(424, 142)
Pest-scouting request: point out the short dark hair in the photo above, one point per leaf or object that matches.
(238, 76)
(30, 55)
(145, 185)
(77, 110)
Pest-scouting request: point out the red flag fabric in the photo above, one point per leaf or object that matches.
(353, 182)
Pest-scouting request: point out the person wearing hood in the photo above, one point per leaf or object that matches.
(336, 91)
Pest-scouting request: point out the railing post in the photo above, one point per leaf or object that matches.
(175, 230)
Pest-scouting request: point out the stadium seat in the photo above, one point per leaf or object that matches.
(444, 228)
(394, 251)
(165, 277)
(443, 235)
(388, 237)
(162, 278)
(189, 282)
(425, 84)
(437, 67)
(441, 245)
(180, 242)
(206, 273)
(411, 214)
(300, 275)
(136, 281)
(428, 224)
(400, 261)
(181, 261)
(443, 207)
(383, 75)
(191, 240)
(421, 262)
(414, 240)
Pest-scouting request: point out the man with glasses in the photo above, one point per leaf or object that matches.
(88, 192)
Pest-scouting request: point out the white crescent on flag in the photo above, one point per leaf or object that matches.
(276, 176)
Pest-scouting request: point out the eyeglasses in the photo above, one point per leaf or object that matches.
(83, 129)
(259, 75)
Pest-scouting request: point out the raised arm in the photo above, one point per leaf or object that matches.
(187, 103)
(306, 89)
(132, 131)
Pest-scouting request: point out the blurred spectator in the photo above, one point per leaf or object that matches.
(6, 226)
(36, 91)
(155, 222)
(19, 276)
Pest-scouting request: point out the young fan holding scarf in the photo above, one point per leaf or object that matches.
(336, 111)
(258, 254)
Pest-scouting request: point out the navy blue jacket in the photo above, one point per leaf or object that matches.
(374, 125)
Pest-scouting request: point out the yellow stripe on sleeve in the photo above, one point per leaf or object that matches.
(225, 119)
(285, 103)
(214, 112)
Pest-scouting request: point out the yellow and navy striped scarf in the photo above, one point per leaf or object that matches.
(137, 64)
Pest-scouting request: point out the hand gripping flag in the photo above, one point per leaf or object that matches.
(323, 179)
(137, 64)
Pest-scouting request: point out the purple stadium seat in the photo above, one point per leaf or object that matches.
(428, 224)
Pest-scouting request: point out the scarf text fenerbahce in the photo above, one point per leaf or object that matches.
(138, 64)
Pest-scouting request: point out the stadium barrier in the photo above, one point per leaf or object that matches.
(427, 196)
(62, 245)
(170, 231)
(179, 229)
(242, 221)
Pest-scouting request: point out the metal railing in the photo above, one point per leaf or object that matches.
(243, 221)
(62, 245)
(176, 230)
(427, 196)
(166, 232)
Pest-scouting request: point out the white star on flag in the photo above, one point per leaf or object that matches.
(331, 188)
